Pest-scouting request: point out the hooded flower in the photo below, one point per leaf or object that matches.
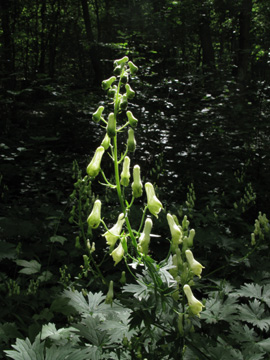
(94, 167)
(144, 239)
(137, 187)
(125, 174)
(175, 231)
(193, 264)
(195, 306)
(154, 205)
(94, 218)
(118, 254)
(113, 234)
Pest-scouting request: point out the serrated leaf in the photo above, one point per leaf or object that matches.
(30, 267)
(24, 350)
(139, 291)
(255, 291)
(265, 344)
(216, 309)
(117, 330)
(254, 314)
(89, 329)
(50, 331)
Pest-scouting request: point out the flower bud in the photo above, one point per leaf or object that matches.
(110, 294)
(112, 91)
(125, 174)
(106, 84)
(176, 232)
(191, 237)
(131, 142)
(94, 167)
(123, 102)
(124, 78)
(133, 68)
(131, 119)
(154, 205)
(94, 218)
(113, 234)
(121, 61)
(111, 126)
(130, 92)
(123, 278)
(118, 254)
(97, 114)
(144, 239)
(195, 306)
(137, 187)
(194, 265)
(106, 142)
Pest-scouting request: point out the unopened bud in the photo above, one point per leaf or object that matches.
(131, 119)
(130, 92)
(106, 142)
(97, 114)
(94, 167)
(131, 143)
(107, 83)
(110, 294)
(133, 68)
(137, 187)
(111, 126)
(125, 174)
(144, 239)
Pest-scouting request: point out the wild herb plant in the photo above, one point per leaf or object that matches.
(156, 314)
(163, 310)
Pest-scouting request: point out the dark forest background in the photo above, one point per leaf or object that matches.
(203, 104)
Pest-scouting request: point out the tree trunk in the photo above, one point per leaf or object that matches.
(244, 41)
(8, 64)
(93, 47)
(206, 38)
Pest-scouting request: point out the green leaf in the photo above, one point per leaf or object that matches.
(216, 309)
(265, 344)
(24, 350)
(30, 267)
(254, 314)
(255, 291)
(58, 238)
(50, 331)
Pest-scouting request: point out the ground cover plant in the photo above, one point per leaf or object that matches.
(147, 309)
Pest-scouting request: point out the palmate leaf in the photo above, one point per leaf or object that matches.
(89, 329)
(255, 291)
(49, 330)
(254, 313)
(117, 330)
(216, 309)
(67, 352)
(84, 307)
(29, 267)
(24, 350)
(140, 291)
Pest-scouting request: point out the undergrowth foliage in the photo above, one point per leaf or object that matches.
(152, 311)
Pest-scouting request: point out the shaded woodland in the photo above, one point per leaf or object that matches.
(203, 104)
